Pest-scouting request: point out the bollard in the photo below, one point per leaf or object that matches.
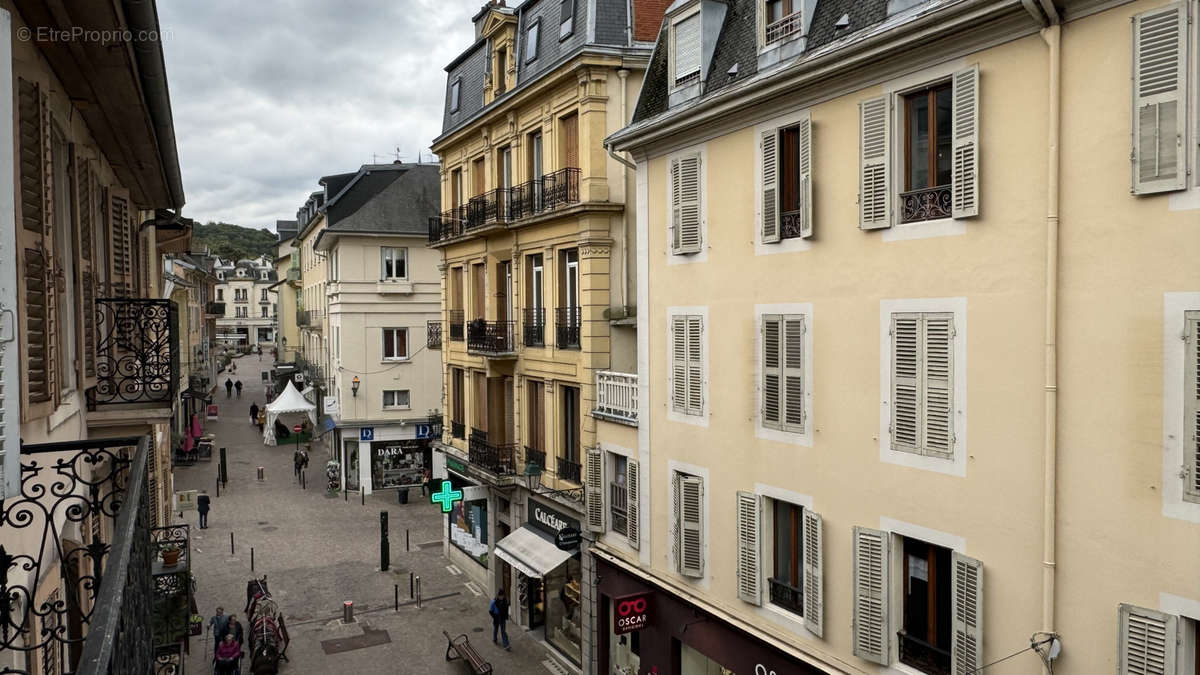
(418, 592)
(260, 474)
(384, 550)
(230, 543)
(251, 558)
(303, 485)
(362, 494)
(348, 611)
(406, 548)
(411, 592)
(396, 594)
(224, 469)
(218, 482)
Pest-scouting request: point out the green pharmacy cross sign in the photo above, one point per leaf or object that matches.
(446, 497)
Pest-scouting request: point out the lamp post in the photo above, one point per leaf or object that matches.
(354, 386)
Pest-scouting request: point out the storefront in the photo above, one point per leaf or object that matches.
(391, 455)
(467, 526)
(645, 628)
(549, 579)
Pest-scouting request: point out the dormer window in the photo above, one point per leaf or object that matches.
(501, 69)
(566, 24)
(783, 20)
(685, 44)
(454, 94)
(531, 40)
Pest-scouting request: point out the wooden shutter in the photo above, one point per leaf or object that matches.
(793, 373)
(937, 398)
(874, 202)
(679, 388)
(594, 489)
(1146, 641)
(121, 258)
(10, 361)
(965, 126)
(772, 394)
(871, 634)
(1159, 109)
(695, 366)
(87, 263)
(691, 526)
(1191, 432)
(770, 191)
(749, 574)
(906, 330)
(814, 573)
(806, 173)
(33, 241)
(685, 204)
(633, 507)
(570, 126)
(966, 614)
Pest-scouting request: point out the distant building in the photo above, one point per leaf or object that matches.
(245, 287)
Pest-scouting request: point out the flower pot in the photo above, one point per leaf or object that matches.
(170, 558)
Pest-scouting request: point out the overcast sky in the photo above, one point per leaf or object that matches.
(270, 95)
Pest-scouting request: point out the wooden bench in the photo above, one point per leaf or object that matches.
(461, 646)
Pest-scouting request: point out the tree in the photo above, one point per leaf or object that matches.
(234, 242)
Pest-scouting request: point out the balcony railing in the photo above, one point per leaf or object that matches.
(293, 274)
(508, 205)
(535, 457)
(215, 309)
(618, 507)
(922, 655)
(499, 459)
(433, 334)
(567, 321)
(137, 352)
(534, 327)
(491, 337)
(786, 596)
(569, 470)
(101, 488)
(241, 301)
(617, 396)
(457, 331)
(309, 318)
(785, 27)
(927, 204)
(458, 430)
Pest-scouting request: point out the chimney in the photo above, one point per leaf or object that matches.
(647, 19)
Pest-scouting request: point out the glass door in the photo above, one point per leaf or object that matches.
(350, 462)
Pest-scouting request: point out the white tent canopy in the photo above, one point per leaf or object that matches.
(289, 402)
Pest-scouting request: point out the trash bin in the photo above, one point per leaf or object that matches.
(402, 495)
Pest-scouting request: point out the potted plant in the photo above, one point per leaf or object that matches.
(170, 554)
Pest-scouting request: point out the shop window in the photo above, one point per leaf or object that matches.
(786, 580)
(625, 651)
(924, 637)
(395, 343)
(563, 627)
(396, 399)
(468, 527)
(397, 464)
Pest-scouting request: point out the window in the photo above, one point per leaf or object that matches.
(925, 625)
(787, 182)
(939, 143)
(569, 126)
(566, 24)
(455, 89)
(531, 41)
(501, 70)
(394, 263)
(535, 407)
(783, 20)
(263, 295)
(783, 372)
(220, 294)
(395, 343)
(686, 220)
(786, 581)
(264, 312)
(688, 511)
(458, 414)
(1160, 66)
(618, 495)
(686, 49)
(396, 398)
(1191, 451)
(569, 460)
(687, 364)
(221, 275)
(922, 402)
(262, 275)
(793, 554)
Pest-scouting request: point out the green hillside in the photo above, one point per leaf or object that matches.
(233, 241)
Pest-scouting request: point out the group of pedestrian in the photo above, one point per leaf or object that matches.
(228, 638)
(230, 385)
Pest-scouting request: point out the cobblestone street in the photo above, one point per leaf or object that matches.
(319, 551)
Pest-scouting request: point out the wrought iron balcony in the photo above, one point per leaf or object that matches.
(309, 318)
(784, 28)
(927, 204)
(492, 338)
(499, 459)
(617, 396)
(215, 309)
(618, 510)
(922, 655)
(293, 274)
(433, 334)
(137, 352)
(456, 318)
(567, 321)
(492, 207)
(534, 327)
(101, 620)
(507, 206)
(458, 430)
(786, 596)
(535, 457)
(447, 225)
(569, 470)
(545, 193)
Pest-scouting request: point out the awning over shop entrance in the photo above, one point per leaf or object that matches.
(530, 552)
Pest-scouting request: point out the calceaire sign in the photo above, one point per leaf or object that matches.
(551, 521)
(631, 612)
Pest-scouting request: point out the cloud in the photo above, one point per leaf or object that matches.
(270, 96)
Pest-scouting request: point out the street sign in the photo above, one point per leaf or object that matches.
(425, 431)
(567, 539)
(297, 428)
(447, 497)
(366, 434)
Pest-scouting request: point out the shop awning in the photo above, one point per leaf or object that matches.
(530, 552)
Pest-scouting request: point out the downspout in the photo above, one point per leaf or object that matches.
(623, 76)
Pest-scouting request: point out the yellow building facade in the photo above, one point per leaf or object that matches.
(916, 340)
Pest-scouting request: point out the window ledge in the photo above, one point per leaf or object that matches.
(926, 229)
(397, 286)
(394, 361)
(397, 407)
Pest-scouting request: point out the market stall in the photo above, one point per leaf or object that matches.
(289, 403)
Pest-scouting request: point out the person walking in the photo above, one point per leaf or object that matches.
(217, 625)
(262, 419)
(228, 387)
(254, 413)
(228, 656)
(235, 630)
(202, 506)
(238, 385)
(426, 481)
(499, 612)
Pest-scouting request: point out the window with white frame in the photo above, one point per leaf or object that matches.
(687, 218)
(1150, 641)
(685, 49)
(264, 312)
(782, 20)
(786, 177)
(687, 500)
(930, 134)
(395, 343)
(393, 263)
(783, 364)
(396, 399)
(922, 383)
(566, 23)
(1191, 397)
(531, 40)
(687, 364)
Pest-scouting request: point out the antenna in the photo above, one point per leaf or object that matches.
(397, 153)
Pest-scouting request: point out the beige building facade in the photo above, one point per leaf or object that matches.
(916, 341)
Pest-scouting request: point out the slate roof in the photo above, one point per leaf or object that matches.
(737, 44)
(334, 184)
(387, 198)
(286, 229)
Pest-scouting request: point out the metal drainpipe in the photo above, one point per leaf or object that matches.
(623, 75)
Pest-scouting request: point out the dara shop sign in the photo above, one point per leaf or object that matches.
(631, 612)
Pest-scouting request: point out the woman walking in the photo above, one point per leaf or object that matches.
(254, 413)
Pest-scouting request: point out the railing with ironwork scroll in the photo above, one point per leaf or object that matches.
(920, 654)
(534, 327)
(447, 225)
(567, 321)
(456, 317)
(569, 470)
(433, 334)
(99, 620)
(137, 352)
(491, 337)
(458, 430)
(499, 459)
(786, 596)
(926, 204)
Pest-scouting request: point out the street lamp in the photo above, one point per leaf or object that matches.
(354, 386)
